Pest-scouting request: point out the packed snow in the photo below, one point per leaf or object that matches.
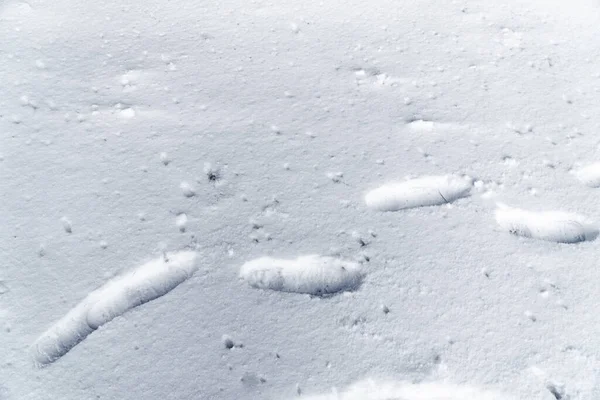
(555, 226)
(419, 192)
(590, 175)
(312, 274)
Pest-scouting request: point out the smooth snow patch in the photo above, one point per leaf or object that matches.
(425, 126)
(590, 175)
(128, 113)
(375, 390)
(312, 274)
(422, 125)
(141, 285)
(419, 192)
(554, 226)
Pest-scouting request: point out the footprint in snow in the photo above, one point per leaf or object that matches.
(553, 226)
(419, 192)
(312, 274)
(589, 175)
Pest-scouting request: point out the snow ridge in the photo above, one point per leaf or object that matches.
(553, 226)
(419, 192)
(141, 285)
(312, 274)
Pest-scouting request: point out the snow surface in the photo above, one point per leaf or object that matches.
(239, 130)
(382, 390)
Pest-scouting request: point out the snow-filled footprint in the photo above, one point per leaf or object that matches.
(141, 285)
(313, 274)
(589, 175)
(419, 192)
(383, 390)
(554, 226)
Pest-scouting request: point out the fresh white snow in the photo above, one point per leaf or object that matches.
(371, 389)
(259, 130)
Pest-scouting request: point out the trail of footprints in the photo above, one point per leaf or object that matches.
(554, 226)
(313, 274)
